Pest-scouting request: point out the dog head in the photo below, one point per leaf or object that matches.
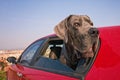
(78, 31)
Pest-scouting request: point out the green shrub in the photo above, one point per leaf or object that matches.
(2, 75)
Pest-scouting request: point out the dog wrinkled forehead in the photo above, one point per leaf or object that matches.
(80, 19)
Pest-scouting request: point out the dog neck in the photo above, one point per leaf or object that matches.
(71, 56)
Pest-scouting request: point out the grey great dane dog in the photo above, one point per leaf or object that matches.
(80, 37)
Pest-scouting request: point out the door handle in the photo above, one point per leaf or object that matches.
(19, 74)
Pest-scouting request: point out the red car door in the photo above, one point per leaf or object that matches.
(26, 73)
(18, 72)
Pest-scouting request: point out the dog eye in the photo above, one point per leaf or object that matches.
(76, 24)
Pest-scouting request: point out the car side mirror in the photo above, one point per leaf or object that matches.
(11, 60)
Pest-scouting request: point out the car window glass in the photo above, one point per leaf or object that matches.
(30, 51)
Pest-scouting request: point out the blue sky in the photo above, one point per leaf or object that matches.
(24, 21)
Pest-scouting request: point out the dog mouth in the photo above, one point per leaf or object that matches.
(85, 53)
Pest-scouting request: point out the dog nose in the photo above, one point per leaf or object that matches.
(93, 32)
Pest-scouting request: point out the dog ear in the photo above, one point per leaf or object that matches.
(61, 29)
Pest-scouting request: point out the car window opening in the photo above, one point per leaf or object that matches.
(50, 58)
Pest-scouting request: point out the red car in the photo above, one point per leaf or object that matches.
(35, 63)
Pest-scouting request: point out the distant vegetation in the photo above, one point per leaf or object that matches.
(3, 62)
(2, 75)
